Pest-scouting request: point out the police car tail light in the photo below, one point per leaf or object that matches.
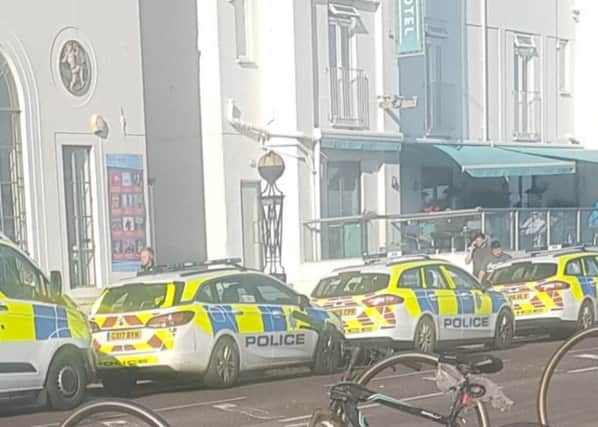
(379, 300)
(93, 326)
(170, 320)
(552, 286)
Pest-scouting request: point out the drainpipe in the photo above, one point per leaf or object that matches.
(485, 126)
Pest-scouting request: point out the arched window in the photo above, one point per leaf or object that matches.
(12, 194)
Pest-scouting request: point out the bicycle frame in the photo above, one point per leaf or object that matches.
(348, 395)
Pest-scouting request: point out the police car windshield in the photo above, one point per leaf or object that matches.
(136, 297)
(523, 272)
(354, 283)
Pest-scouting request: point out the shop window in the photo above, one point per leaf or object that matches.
(436, 185)
(341, 197)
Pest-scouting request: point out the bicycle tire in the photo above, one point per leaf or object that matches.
(550, 368)
(420, 358)
(127, 407)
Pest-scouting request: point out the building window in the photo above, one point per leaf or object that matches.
(12, 188)
(341, 197)
(243, 11)
(349, 91)
(79, 216)
(527, 99)
(437, 90)
(564, 67)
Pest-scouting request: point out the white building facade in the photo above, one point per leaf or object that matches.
(83, 186)
(321, 82)
(66, 85)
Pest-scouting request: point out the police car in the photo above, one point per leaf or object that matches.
(215, 319)
(551, 291)
(415, 301)
(45, 343)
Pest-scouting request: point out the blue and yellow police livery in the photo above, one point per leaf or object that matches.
(415, 302)
(551, 291)
(45, 343)
(215, 319)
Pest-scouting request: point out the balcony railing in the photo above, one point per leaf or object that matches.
(349, 98)
(449, 231)
(527, 124)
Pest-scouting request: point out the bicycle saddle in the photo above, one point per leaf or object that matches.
(477, 363)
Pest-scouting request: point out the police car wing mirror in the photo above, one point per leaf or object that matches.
(55, 282)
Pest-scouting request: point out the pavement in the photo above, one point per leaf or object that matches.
(287, 398)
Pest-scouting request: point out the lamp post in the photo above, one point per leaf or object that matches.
(271, 167)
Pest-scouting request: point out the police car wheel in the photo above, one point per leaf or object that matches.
(120, 383)
(328, 355)
(503, 335)
(223, 370)
(425, 336)
(586, 316)
(66, 381)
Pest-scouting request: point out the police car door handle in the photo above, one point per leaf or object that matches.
(277, 314)
(238, 313)
(3, 307)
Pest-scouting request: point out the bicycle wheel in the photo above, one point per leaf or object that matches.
(572, 369)
(475, 415)
(112, 407)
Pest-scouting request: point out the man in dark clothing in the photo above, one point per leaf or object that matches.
(478, 254)
(496, 256)
(147, 259)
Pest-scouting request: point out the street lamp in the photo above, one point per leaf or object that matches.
(271, 167)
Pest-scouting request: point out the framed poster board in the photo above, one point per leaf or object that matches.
(127, 210)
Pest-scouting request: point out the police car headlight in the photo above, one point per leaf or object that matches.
(93, 326)
(171, 320)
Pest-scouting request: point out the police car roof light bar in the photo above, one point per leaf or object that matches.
(408, 258)
(561, 251)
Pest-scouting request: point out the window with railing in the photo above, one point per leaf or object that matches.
(527, 101)
(349, 92)
(12, 188)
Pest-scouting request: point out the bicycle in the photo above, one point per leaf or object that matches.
(458, 374)
(127, 407)
(552, 366)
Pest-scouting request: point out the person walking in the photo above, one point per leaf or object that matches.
(478, 254)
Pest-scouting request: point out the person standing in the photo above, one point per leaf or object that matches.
(496, 256)
(147, 259)
(478, 254)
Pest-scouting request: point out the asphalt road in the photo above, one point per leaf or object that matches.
(287, 398)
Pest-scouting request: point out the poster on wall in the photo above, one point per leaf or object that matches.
(127, 210)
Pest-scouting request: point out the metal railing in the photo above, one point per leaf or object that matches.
(349, 98)
(448, 231)
(527, 124)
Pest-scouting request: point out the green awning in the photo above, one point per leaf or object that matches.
(360, 144)
(485, 161)
(562, 153)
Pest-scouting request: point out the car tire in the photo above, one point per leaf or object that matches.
(66, 381)
(327, 355)
(223, 369)
(586, 316)
(120, 383)
(425, 336)
(503, 332)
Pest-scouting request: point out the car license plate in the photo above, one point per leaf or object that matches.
(124, 335)
(345, 312)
